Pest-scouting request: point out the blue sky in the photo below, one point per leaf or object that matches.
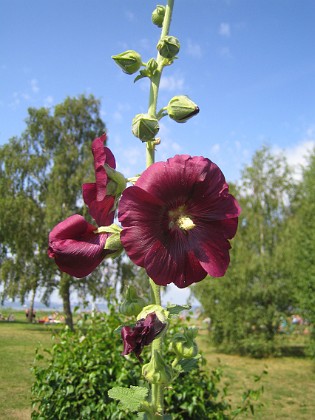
(248, 64)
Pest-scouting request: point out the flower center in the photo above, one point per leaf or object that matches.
(179, 218)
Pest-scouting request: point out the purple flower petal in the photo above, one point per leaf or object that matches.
(76, 249)
(142, 334)
(101, 155)
(177, 220)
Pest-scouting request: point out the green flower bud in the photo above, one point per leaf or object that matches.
(158, 16)
(129, 61)
(168, 46)
(181, 108)
(132, 304)
(157, 371)
(117, 182)
(184, 345)
(145, 127)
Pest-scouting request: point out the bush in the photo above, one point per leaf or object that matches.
(72, 379)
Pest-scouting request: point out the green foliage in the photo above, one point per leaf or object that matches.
(246, 305)
(130, 398)
(299, 257)
(41, 174)
(73, 378)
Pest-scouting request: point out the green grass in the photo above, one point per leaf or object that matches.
(289, 386)
(17, 350)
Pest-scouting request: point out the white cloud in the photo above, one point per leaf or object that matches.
(297, 155)
(193, 49)
(34, 85)
(171, 83)
(215, 149)
(48, 101)
(225, 29)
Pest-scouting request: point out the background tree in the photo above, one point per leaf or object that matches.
(300, 255)
(246, 305)
(40, 184)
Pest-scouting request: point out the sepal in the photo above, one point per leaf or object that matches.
(168, 46)
(157, 371)
(129, 61)
(145, 127)
(158, 15)
(181, 108)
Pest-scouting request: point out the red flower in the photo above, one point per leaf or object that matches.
(76, 249)
(94, 194)
(177, 221)
(142, 334)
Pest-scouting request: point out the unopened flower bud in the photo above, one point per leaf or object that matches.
(181, 108)
(158, 16)
(132, 304)
(168, 46)
(157, 371)
(129, 61)
(117, 182)
(184, 345)
(145, 127)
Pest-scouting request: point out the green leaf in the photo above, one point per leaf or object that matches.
(189, 364)
(176, 309)
(130, 398)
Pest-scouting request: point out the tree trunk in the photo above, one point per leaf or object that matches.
(31, 313)
(64, 291)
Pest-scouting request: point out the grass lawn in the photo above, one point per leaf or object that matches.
(18, 341)
(289, 385)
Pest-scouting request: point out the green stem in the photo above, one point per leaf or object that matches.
(157, 389)
(155, 81)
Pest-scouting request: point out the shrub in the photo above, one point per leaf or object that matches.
(73, 377)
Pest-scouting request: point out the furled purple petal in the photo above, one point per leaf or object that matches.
(76, 249)
(101, 211)
(142, 334)
(101, 155)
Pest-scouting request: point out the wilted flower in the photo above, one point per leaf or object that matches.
(177, 221)
(76, 247)
(142, 334)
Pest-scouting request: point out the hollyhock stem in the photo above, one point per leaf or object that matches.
(157, 389)
(155, 80)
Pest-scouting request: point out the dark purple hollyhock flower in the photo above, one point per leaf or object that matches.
(177, 221)
(75, 247)
(142, 334)
(94, 194)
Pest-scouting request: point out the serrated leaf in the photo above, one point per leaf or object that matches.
(130, 398)
(189, 364)
(176, 309)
